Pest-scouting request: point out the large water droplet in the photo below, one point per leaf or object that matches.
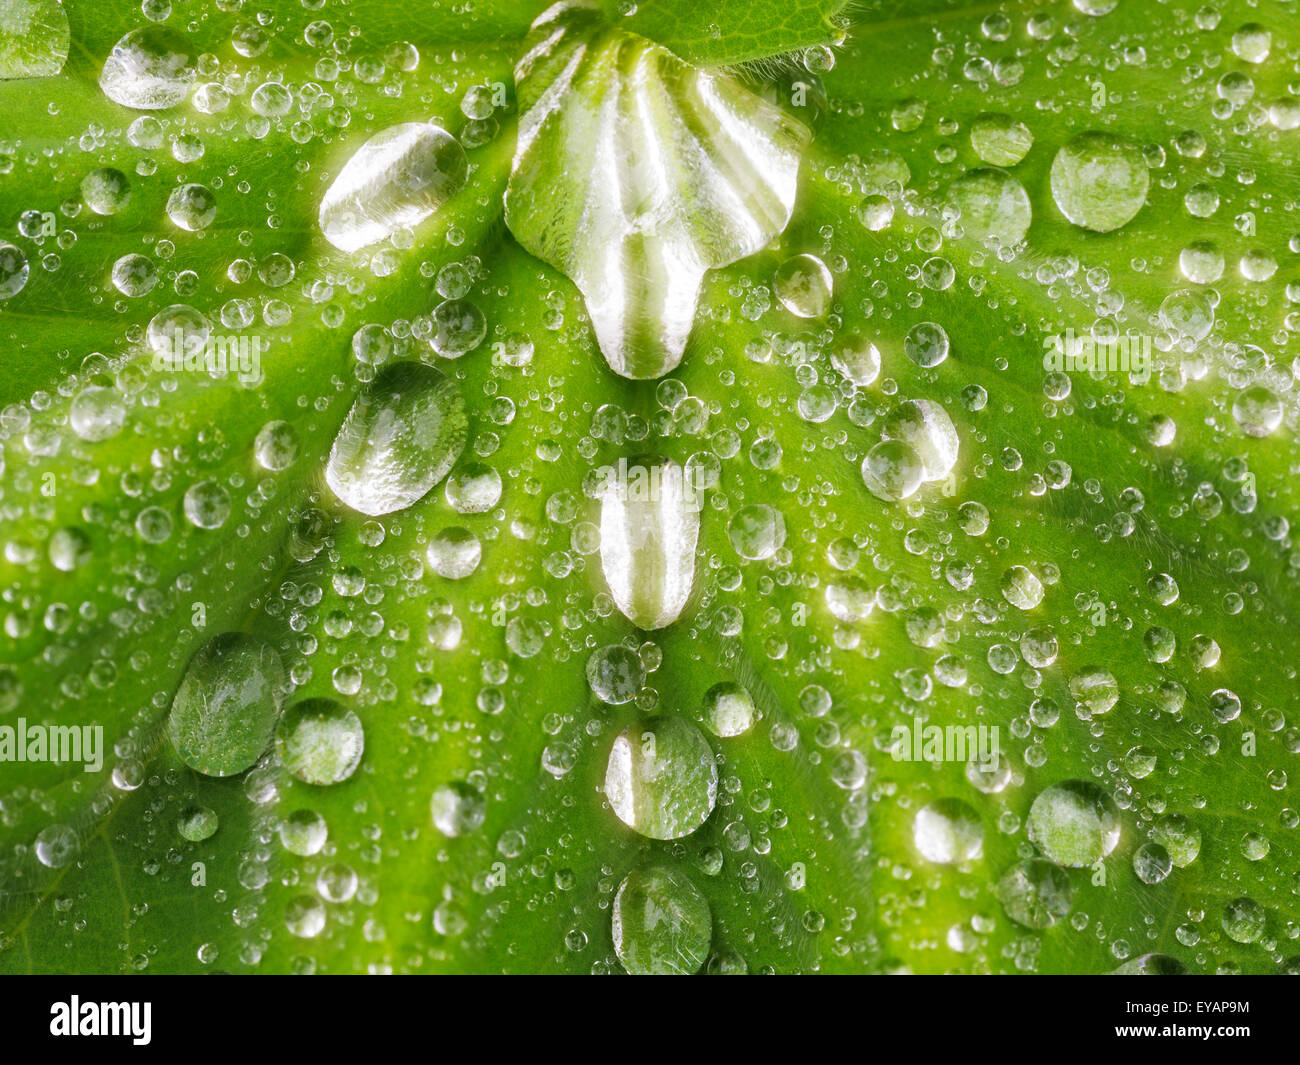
(396, 180)
(1100, 181)
(402, 435)
(224, 712)
(948, 831)
(662, 924)
(320, 741)
(993, 206)
(149, 69)
(1074, 823)
(662, 779)
(649, 525)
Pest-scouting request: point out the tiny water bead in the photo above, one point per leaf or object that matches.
(661, 924)
(403, 434)
(320, 741)
(197, 823)
(454, 553)
(992, 206)
(224, 712)
(1074, 823)
(1100, 181)
(947, 831)
(926, 427)
(304, 833)
(662, 779)
(999, 139)
(857, 360)
(13, 270)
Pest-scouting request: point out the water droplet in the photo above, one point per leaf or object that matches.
(396, 180)
(1074, 823)
(649, 525)
(197, 823)
(1021, 588)
(993, 206)
(97, 413)
(454, 553)
(224, 711)
(1100, 181)
(615, 673)
(756, 531)
(149, 69)
(13, 270)
(1000, 140)
(320, 741)
(661, 923)
(1257, 411)
(662, 779)
(947, 831)
(804, 286)
(457, 809)
(402, 435)
(926, 344)
(1035, 894)
(304, 833)
(728, 710)
(927, 429)
(893, 470)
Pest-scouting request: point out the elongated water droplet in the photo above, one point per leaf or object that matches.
(662, 779)
(661, 923)
(649, 525)
(396, 180)
(402, 435)
(224, 712)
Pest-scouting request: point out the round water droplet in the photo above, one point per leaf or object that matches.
(947, 831)
(1244, 920)
(457, 809)
(454, 553)
(615, 673)
(1000, 140)
(1100, 181)
(926, 427)
(57, 845)
(207, 505)
(276, 446)
(1257, 411)
(662, 779)
(97, 413)
(857, 360)
(197, 823)
(473, 488)
(320, 741)
(1074, 823)
(756, 531)
(224, 711)
(304, 833)
(893, 470)
(1036, 894)
(1021, 588)
(728, 710)
(105, 190)
(1095, 688)
(993, 206)
(149, 69)
(192, 207)
(13, 270)
(661, 923)
(926, 344)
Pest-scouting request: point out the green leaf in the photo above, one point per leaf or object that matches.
(627, 686)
